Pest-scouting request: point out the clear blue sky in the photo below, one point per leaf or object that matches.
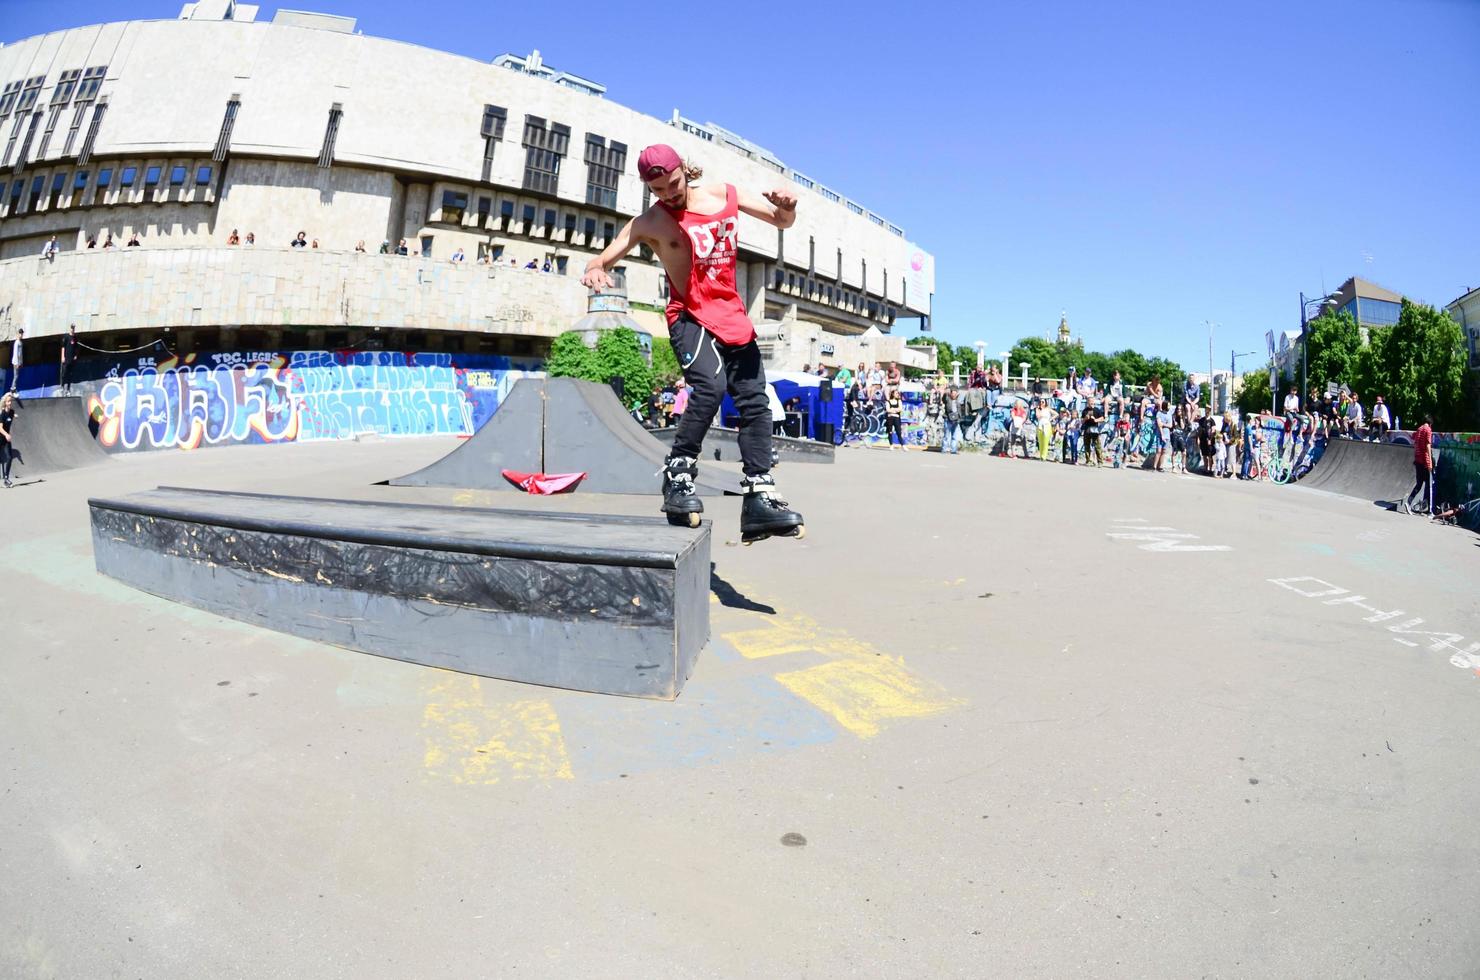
(1145, 166)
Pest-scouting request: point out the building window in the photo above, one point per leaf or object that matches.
(92, 132)
(854, 207)
(527, 216)
(92, 80)
(16, 189)
(105, 177)
(804, 181)
(544, 148)
(62, 94)
(562, 264)
(8, 97)
(492, 131)
(151, 177)
(177, 176)
(570, 227)
(604, 164)
(58, 184)
(608, 231)
(36, 187)
(127, 177)
(506, 210)
(331, 134)
(589, 228)
(80, 181)
(15, 131)
(228, 123)
(454, 206)
(485, 208)
(29, 91)
(202, 175)
(549, 222)
(20, 158)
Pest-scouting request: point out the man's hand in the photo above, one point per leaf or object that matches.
(596, 278)
(782, 199)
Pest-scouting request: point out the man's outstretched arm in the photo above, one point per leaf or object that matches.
(777, 207)
(595, 276)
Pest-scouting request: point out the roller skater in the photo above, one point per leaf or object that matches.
(694, 231)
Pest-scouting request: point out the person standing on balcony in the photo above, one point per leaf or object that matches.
(17, 358)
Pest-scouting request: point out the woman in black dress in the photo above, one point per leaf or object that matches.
(7, 426)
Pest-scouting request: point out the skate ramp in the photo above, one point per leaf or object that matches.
(562, 425)
(723, 443)
(51, 436)
(1372, 471)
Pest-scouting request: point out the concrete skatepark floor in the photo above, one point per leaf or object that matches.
(990, 718)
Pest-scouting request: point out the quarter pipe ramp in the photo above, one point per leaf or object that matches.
(1372, 471)
(52, 435)
(562, 425)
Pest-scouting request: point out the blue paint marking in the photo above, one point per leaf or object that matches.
(708, 724)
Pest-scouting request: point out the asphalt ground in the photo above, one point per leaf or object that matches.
(991, 718)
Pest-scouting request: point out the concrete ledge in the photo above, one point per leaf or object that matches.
(614, 605)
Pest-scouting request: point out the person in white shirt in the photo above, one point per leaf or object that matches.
(1292, 402)
(458, 257)
(50, 249)
(1354, 414)
(1381, 420)
(17, 357)
(778, 411)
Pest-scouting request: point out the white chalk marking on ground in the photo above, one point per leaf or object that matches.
(1310, 587)
(1158, 537)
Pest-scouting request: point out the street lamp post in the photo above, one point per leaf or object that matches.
(1321, 303)
(1233, 369)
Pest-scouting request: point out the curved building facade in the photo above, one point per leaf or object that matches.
(188, 136)
(181, 131)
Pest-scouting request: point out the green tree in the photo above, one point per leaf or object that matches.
(1426, 363)
(1334, 343)
(1372, 374)
(1045, 359)
(618, 354)
(1254, 396)
(571, 358)
(665, 363)
(1131, 365)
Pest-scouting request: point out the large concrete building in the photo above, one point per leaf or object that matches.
(186, 132)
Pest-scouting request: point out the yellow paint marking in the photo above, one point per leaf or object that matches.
(863, 695)
(771, 641)
(465, 498)
(468, 741)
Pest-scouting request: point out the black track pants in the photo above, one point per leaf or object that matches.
(711, 367)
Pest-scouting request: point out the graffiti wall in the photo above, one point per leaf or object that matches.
(262, 397)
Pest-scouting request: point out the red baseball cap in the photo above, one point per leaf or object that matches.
(658, 160)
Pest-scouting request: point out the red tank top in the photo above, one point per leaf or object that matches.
(710, 296)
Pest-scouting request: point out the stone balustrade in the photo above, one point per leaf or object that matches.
(151, 288)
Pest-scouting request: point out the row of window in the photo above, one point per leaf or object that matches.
(546, 220)
(78, 85)
(24, 195)
(848, 299)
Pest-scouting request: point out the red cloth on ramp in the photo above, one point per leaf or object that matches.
(543, 483)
